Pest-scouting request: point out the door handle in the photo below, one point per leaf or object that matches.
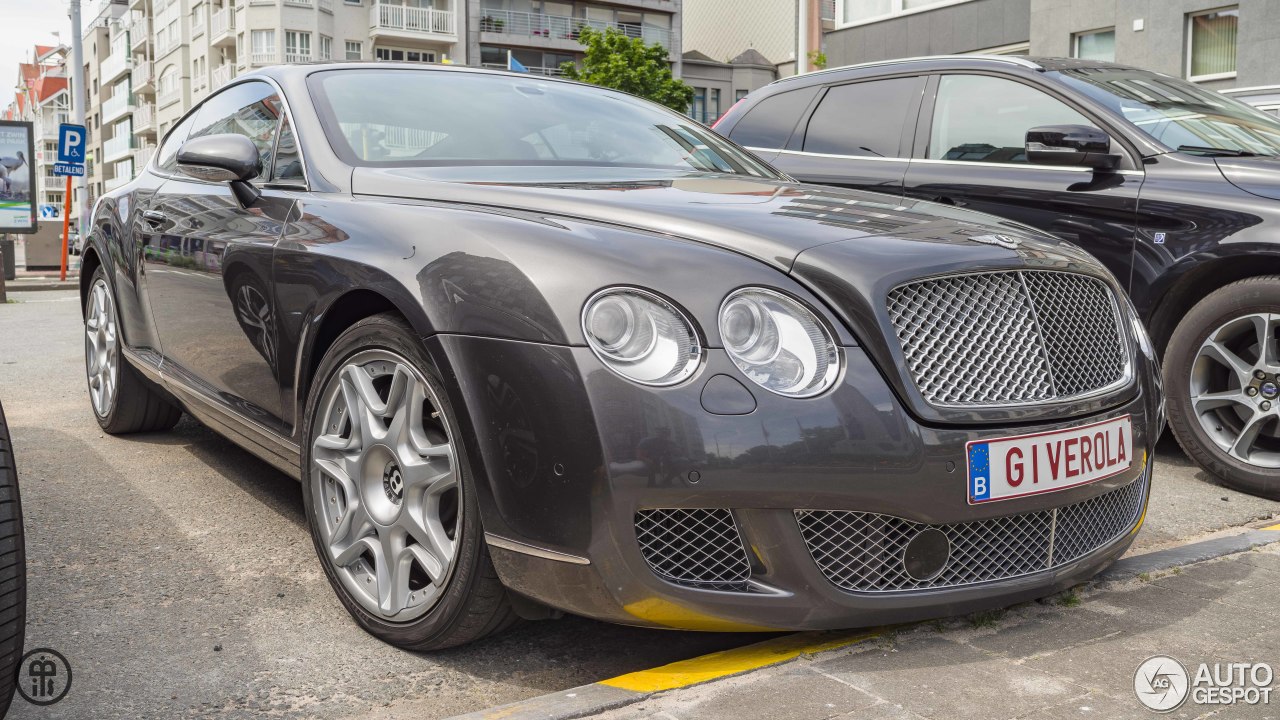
(154, 218)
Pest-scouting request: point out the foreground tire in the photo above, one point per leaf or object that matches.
(1222, 380)
(13, 571)
(390, 498)
(122, 401)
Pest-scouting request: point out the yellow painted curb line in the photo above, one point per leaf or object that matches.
(716, 665)
(1273, 527)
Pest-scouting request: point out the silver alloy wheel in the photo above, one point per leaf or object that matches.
(385, 485)
(1235, 389)
(101, 348)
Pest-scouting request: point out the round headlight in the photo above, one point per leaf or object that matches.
(640, 336)
(778, 343)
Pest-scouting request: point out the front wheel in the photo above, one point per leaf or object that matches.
(390, 498)
(1222, 379)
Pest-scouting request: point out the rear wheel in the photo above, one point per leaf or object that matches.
(1222, 377)
(122, 401)
(389, 495)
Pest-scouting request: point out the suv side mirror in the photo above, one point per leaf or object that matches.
(228, 157)
(1070, 145)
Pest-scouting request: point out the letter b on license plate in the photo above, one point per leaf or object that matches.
(1046, 462)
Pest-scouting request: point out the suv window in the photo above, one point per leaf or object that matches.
(770, 122)
(865, 118)
(167, 160)
(978, 118)
(251, 109)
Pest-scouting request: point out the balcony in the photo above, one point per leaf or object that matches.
(409, 23)
(222, 27)
(144, 119)
(297, 57)
(563, 28)
(222, 75)
(142, 156)
(117, 147)
(117, 105)
(264, 57)
(300, 3)
(139, 35)
(143, 79)
(197, 24)
(551, 71)
(115, 182)
(327, 6)
(116, 64)
(168, 96)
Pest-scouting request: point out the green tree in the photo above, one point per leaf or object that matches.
(616, 61)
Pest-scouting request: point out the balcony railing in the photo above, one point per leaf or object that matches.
(561, 27)
(531, 68)
(116, 65)
(116, 105)
(222, 22)
(144, 118)
(166, 96)
(197, 23)
(326, 5)
(139, 33)
(142, 156)
(411, 19)
(222, 75)
(143, 75)
(263, 57)
(300, 3)
(117, 147)
(829, 10)
(297, 57)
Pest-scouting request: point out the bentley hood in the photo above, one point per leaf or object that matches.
(770, 220)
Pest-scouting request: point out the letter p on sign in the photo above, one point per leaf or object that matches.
(71, 143)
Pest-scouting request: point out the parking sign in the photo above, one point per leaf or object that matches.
(71, 144)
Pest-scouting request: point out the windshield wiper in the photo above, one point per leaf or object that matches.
(1224, 152)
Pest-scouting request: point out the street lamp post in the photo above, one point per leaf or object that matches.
(78, 99)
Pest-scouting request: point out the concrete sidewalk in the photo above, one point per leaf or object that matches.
(1069, 657)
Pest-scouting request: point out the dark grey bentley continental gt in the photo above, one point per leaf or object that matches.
(532, 344)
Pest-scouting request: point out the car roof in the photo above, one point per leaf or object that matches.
(1015, 63)
(294, 71)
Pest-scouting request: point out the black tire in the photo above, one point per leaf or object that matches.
(13, 571)
(474, 603)
(137, 406)
(1253, 295)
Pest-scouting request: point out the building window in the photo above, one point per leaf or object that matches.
(1211, 44)
(1096, 45)
(402, 55)
(354, 50)
(739, 94)
(857, 12)
(297, 46)
(698, 111)
(326, 47)
(263, 43)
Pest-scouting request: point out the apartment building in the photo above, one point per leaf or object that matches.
(148, 61)
(1227, 46)
(41, 98)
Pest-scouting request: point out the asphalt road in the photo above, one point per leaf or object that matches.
(175, 572)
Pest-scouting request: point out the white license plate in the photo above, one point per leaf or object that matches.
(1047, 462)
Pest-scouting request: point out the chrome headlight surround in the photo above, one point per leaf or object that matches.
(779, 343)
(641, 336)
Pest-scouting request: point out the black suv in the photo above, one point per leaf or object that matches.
(1170, 185)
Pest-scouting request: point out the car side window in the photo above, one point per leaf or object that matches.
(770, 122)
(288, 162)
(864, 118)
(978, 118)
(251, 109)
(167, 160)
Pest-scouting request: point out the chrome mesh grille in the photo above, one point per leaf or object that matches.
(698, 548)
(863, 552)
(1006, 338)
